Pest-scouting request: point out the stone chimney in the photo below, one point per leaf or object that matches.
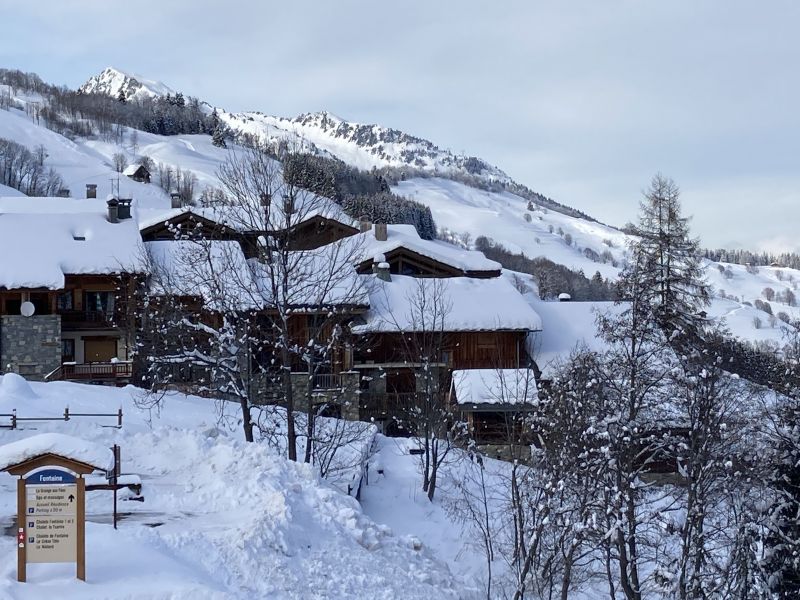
(175, 200)
(382, 271)
(381, 232)
(364, 224)
(113, 210)
(91, 190)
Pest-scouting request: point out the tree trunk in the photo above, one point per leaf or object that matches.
(247, 421)
(291, 434)
(310, 414)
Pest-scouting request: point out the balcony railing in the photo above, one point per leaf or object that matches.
(111, 371)
(86, 318)
(327, 381)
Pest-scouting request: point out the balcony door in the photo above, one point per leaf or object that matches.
(99, 350)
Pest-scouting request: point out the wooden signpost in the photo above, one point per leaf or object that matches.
(51, 512)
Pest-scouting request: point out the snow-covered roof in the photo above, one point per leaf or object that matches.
(95, 455)
(47, 245)
(566, 326)
(51, 205)
(214, 270)
(465, 304)
(494, 386)
(406, 236)
(150, 217)
(324, 276)
(131, 170)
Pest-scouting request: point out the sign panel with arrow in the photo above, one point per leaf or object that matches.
(51, 525)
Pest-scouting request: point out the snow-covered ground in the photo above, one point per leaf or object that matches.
(221, 518)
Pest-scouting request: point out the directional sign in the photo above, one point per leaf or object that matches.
(50, 518)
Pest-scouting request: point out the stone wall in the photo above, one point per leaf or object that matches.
(30, 346)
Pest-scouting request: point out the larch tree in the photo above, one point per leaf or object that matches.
(668, 260)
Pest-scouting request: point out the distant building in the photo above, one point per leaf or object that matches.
(137, 173)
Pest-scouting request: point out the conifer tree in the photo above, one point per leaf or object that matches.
(668, 260)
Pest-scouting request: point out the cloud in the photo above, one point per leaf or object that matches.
(582, 101)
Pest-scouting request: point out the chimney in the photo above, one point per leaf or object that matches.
(381, 232)
(124, 208)
(175, 200)
(113, 210)
(364, 224)
(91, 190)
(382, 272)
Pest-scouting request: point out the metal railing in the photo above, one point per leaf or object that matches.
(327, 381)
(14, 420)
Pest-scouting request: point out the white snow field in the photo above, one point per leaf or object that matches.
(221, 518)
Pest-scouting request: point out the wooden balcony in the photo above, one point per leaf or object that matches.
(112, 372)
(86, 319)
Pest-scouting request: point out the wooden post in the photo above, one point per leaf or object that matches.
(119, 418)
(115, 479)
(22, 530)
(81, 526)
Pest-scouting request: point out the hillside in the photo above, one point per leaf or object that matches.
(465, 194)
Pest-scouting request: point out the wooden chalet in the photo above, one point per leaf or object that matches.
(137, 173)
(68, 311)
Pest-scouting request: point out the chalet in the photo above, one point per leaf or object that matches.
(408, 254)
(68, 310)
(494, 402)
(137, 173)
(477, 323)
(66, 302)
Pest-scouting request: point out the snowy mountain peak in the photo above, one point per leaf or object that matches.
(392, 147)
(111, 81)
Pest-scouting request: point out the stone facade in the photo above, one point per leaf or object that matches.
(30, 346)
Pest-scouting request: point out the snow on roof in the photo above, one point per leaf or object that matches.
(67, 446)
(566, 326)
(131, 170)
(406, 236)
(150, 217)
(51, 204)
(214, 270)
(47, 246)
(324, 276)
(466, 304)
(494, 386)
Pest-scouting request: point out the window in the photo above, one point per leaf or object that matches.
(64, 301)
(41, 303)
(13, 305)
(102, 302)
(67, 350)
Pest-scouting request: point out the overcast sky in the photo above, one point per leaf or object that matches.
(581, 101)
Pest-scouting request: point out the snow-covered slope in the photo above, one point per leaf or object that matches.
(112, 81)
(221, 518)
(503, 216)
